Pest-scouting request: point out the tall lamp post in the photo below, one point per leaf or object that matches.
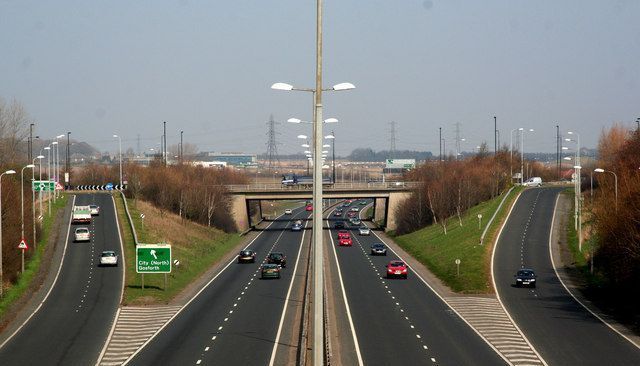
(33, 197)
(332, 137)
(120, 149)
(54, 153)
(1, 281)
(522, 153)
(22, 207)
(615, 178)
(57, 174)
(48, 148)
(318, 276)
(511, 152)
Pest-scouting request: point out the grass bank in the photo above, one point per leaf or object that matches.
(197, 247)
(439, 252)
(32, 265)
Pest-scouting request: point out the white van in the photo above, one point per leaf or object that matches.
(533, 182)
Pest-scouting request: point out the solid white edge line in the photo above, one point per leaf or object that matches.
(565, 286)
(495, 288)
(55, 280)
(195, 296)
(286, 300)
(344, 297)
(122, 269)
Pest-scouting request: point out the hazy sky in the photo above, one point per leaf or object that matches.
(96, 68)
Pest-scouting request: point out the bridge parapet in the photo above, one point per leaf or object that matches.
(355, 186)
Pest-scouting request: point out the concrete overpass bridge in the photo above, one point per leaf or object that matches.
(387, 196)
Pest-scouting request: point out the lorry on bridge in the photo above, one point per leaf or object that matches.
(303, 180)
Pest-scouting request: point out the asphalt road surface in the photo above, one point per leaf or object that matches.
(234, 320)
(560, 329)
(401, 321)
(72, 325)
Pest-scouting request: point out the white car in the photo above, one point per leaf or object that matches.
(533, 182)
(82, 234)
(95, 210)
(364, 230)
(108, 258)
(288, 211)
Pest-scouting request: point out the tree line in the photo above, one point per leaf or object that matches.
(617, 221)
(193, 192)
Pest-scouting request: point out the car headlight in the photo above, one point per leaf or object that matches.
(519, 279)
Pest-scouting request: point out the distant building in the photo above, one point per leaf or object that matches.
(210, 164)
(231, 158)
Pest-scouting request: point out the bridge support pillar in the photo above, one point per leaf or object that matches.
(239, 212)
(395, 199)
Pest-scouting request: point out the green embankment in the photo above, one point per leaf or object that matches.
(195, 246)
(32, 265)
(438, 251)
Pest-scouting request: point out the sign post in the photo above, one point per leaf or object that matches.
(458, 267)
(153, 258)
(479, 221)
(43, 185)
(22, 246)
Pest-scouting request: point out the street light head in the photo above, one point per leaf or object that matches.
(305, 145)
(30, 166)
(531, 130)
(567, 158)
(565, 148)
(302, 137)
(293, 120)
(59, 136)
(116, 136)
(520, 129)
(10, 172)
(329, 137)
(598, 170)
(40, 157)
(282, 86)
(331, 120)
(307, 152)
(570, 132)
(343, 86)
(569, 140)
(326, 145)
(47, 148)
(54, 143)
(577, 167)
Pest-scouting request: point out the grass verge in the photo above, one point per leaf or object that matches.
(438, 251)
(197, 247)
(32, 265)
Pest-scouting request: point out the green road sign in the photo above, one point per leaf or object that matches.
(153, 258)
(44, 186)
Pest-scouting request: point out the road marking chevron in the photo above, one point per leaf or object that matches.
(488, 317)
(134, 326)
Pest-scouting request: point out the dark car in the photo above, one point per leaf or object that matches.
(270, 271)
(397, 269)
(339, 225)
(246, 256)
(337, 213)
(378, 249)
(296, 227)
(525, 277)
(277, 258)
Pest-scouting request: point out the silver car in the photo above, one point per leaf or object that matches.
(82, 234)
(95, 210)
(108, 258)
(363, 230)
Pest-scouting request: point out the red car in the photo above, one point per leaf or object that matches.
(397, 269)
(309, 208)
(351, 214)
(345, 241)
(343, 234)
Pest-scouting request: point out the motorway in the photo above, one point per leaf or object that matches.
(560, 329)
(71, 326)
(400, 321)
(235, 319)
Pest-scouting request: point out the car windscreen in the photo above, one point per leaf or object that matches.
(245, 253)
(108, 254)
(525, 273)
